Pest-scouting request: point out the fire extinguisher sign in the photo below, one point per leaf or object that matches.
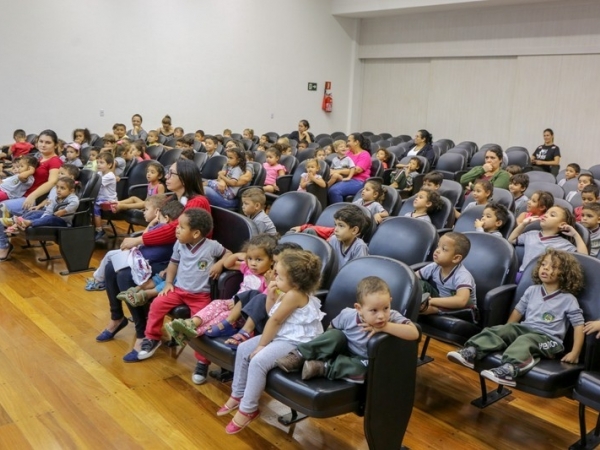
(327, 104)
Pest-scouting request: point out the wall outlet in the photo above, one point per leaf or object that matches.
(272, 115)
(101, 113)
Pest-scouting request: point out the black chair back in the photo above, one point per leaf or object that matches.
(466, 221)
(213, 166)
(538, 175)
(200, 160)
(292, 209)
(318, 246)
(326, 219)
(553, 188)
(169, 157)
(231, 229)
(453, 191)
(155, 151)
(439, 218)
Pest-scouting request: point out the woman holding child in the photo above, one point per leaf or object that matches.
(423, 146)
(359, 154)
(44, 179)
(185, 181)
(490, 171)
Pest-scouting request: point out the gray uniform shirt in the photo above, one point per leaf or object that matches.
(195, 262)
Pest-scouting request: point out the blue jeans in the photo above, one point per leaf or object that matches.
(215, 199)
(49, 221)
(341, 189)
(15, 206)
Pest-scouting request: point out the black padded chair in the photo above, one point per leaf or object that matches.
(213, 166)
(397, 151)
(550, 378)
(565, 204)
(450, 164)
(155, 151)
(391, 202)
(200, 160)
(518, 156)
(470, 146)
(466, 221)
(553, 188)
(502, 196)
(76, 243)
(461, 151)
(478, 159)
(289, 162)
(292, 209)
(170, 157)
(490, 275)
(570, 185)
(417, 240)
(595, 171)
(587, 393)
(538, 175)
(439, 218)
(453, 191)
(326, 219)
(291, 182)
(424, 163)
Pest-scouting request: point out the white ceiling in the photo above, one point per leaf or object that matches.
(385, 8)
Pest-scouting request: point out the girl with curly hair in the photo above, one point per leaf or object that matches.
(537, 326)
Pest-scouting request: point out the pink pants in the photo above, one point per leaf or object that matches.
(214, 313)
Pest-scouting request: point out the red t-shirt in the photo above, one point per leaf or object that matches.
(20, 149)
(42, 173)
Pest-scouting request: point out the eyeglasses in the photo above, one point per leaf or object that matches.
(170, 173)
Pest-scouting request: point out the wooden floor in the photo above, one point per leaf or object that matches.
(60, 389)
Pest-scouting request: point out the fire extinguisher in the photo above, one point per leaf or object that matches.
(327, 105)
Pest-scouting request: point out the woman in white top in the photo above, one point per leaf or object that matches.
(423, 140)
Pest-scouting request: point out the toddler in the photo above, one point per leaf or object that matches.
(482, 191)
(121, 154)
(517, 187)
(16, 185)
(572, 171)
(513, 169)
(248, 133)
(20, 148)
(403, 178)
(153, 138)
(120, 131)
(342, 166)
(426, 202)
(138, 150)
(494, 217)
(320, 154)
(537, 326)
(155, 174)
(273, 170)
(537, 206)
(590, 218)
(295, 317)
(341, 352)
(253, 207)
(82, 136)
(178, 132)
(92, 163)
(372, 196)
(311, 176)
(384, 157)
(226, 183)
(71, 155)
(108, 190)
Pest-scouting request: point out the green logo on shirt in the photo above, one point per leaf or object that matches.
(202, 265)
(547, 317)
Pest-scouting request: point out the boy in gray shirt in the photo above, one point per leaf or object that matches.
(253, 206)
(350, 222)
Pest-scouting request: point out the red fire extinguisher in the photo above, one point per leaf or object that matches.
(327, 105)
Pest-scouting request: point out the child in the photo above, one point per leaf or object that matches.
(372, 196)
(210, 145)
(119, 258)
(109, 141)
(253, 207)
(403, 178)
(108, 190)
(494, 217)
(82, 137)
(286, 149)
(273, 170)
(184, 143)
(584, 180)
(71, 155)
(21, 147)
(16, 185)
(264, 139)
(590, 218)
(59, 212)
(302, 145)
(482, 191)
(193, 263)
(92, 163)
(350, 222)
(188, 154)
(450, 285)
(384, 156)
(341, 352)
(153, 138)
(513, 169)
(328, 150)
(178, 132)
(227, 132)
(199, 136)
(342, 166)
(121, 154)
(572, 171)
(223, 318)
(426, 201)
(433, 180)
(120, 131)
(589, 194)
(517, 187)
(547, 307)
(320, 154)
(537, 206)
(225, 184)
(248, 133)
(138, 150)
(311, 176)
(295, 317)
(555, 223)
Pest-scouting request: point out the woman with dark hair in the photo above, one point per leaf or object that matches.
(490, 171)
(423, 140)
(185, 181)
(137, 132)
(547, 155)
(302, 134)
(44, 179)
(359, 154)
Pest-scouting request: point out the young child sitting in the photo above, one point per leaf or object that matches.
(384, 157)
(226, 185)
(349, 224)
(320, 154)
(557, 231)
(589, 194)
(211, 143)
(450, 285)
(426, 201)
(20, 148)
(590, 218)
(342, 166)
(572, 171)
(517, 187)
(537, 206)
(513, 169)
(71, 155)
(153, 138)
(295, 317)
(537, 326)
(494, 217)
(403, 178)
(59, 211)
(433, 180)
(92, 162)
(372, 196)
(273, 169)
(482, 191)
(341, 352)
(194, 264)
(16, 185)
(108, 190)
(253, 207)
(122, 155)
(311, 176)
(119, 258)
(155, 174)
(584, 180)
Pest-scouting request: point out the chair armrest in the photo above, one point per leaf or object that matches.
(591, 353)
(284, 183)
(497, 304)
(443, 231)
(229, 283)
(137, 187)
(418, 266)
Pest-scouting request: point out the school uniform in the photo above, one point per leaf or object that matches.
(357, 249)
(535, 243)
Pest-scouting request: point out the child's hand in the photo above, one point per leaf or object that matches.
(296, 229)
(215, 271)
(568, 230)
(531, 219)
(571, 358)
(478, 223)
(168, 288)
(592, 327)
(269, 276)
(256, 350)
(377, 217)
(370, 329)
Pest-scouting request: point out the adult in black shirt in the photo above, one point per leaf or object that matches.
(547, 155)
(302, 134)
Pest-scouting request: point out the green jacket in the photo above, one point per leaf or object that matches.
(500, 180)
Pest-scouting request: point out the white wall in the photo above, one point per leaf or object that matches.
(496, 75)
(210, 64)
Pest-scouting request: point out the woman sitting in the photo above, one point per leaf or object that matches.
(423, 146)
(490, 171)
(358, 153)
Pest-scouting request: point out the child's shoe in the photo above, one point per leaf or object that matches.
(200, 372)
(99, 235)
(5, 211)
(313, 369)
(149, 347)
(93, 285)
(12, 230)
(292, 362)
(185, 327)
(465, 356)
(505, 374)
(7, 221)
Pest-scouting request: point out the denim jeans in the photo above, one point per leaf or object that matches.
(341, 189)
(216, 199)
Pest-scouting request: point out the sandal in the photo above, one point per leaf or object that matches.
(136, 298)
(224, 410)
(233, 428)
(176, 336)
(215, 331)
(185, 327)
(123, 294)
(241, 336)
